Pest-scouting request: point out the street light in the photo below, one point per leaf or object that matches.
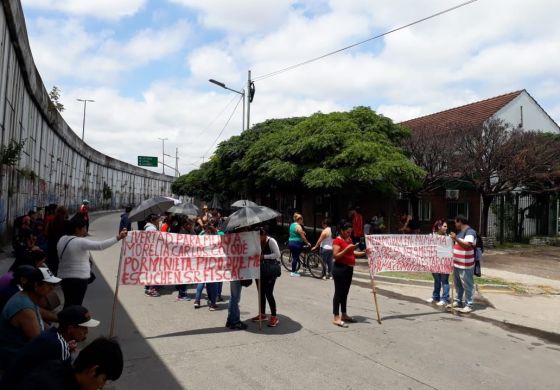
(242, 93)
(84, 121)
(163, 152)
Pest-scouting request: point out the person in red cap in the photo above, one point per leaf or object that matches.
(52, 344)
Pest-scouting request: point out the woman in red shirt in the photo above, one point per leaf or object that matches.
(343, 269)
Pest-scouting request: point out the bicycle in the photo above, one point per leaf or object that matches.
(310, 260)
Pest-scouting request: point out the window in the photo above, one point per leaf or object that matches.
(456, 208)
(424, 210)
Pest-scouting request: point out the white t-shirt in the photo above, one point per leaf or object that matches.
(74, 262)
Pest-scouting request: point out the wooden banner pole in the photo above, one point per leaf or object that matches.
(259, 287)
(452, 276)
(115, 298)
(375, 300)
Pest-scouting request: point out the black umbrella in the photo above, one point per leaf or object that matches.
(250, 215)
(189, 209)
(157, 205)
(243, 203)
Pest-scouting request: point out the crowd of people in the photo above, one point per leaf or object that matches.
(38, 343)
(53, 249)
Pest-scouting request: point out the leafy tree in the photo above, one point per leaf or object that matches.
(356, 149)
(55, 103)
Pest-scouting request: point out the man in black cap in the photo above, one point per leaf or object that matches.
(99, 362)
(52, 344)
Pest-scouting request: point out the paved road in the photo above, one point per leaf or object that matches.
(170, 345)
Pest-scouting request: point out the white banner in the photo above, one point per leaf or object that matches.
(409, 252)
(158, 258)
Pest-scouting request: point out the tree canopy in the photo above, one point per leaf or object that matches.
(358, 149)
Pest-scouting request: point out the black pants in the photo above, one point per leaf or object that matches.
(267, 294)
(342, 276)
(74, 291)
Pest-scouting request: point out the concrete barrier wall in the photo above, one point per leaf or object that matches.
(55, 165)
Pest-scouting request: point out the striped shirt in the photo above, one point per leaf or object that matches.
(464, 258)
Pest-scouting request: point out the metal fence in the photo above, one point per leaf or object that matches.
(517, 218)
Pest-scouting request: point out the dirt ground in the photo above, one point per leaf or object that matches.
(543, 262)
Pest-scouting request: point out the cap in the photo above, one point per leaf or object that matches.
(85, 201)
(48, 276)
(24, 271)
(76, 315)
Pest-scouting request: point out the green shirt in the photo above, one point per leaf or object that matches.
(294, 235)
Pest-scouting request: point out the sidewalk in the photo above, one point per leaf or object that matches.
(530, 313)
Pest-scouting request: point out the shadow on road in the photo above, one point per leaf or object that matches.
(286, 326)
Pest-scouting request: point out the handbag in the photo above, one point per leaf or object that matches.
(270, 268)
(91, 274)
(246, 282)
(477, 258)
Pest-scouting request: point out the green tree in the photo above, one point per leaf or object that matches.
(55, 103)
(357, 149)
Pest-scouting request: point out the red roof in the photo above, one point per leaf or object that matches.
(469, 114)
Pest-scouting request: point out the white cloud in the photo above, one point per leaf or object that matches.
(479, 51)
(103, 9)
(241, 17)
(98, 56)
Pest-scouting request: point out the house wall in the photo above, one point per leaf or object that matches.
(55, 165)
(534, 117)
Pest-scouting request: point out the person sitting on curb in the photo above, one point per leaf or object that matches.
(52, 344)
(21, 320)
(99, 362)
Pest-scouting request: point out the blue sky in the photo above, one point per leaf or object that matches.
(147, 62)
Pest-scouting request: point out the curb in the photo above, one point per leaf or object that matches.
(427, 283)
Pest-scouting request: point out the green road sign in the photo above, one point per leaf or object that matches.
(147, 161)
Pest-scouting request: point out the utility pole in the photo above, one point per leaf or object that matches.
(177, 162)
(84, 120)
(250, 95)
(163, 154)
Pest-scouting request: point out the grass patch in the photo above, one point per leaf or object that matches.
(513, 245)
(484, 280)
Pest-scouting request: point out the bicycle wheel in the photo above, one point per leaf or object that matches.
(286, 260)
(315, 265)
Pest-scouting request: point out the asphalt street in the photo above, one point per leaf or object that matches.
(172, 345)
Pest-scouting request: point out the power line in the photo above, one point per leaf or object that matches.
(223, 128)
(277, 72)
(217, 116)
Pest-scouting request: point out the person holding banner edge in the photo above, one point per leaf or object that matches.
(343, 269)
(464, 243)
(441, 281)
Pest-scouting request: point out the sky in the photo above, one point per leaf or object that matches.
(147, 63)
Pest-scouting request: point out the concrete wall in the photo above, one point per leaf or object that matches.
(55, 165)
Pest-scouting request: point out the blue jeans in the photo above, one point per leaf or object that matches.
(234, 316)
(441, 280)
(464, 284)
(211, 291)
(295, 249)
(219, 285)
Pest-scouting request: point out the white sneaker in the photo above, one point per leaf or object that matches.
(454, 304)
(441, 303)
(295, 274)
(467, 309)
(430, 300)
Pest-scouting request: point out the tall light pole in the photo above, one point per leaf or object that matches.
(84, 121)
(242, 93)
(163, 154)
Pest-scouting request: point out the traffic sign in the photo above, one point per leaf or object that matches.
(147, 161)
